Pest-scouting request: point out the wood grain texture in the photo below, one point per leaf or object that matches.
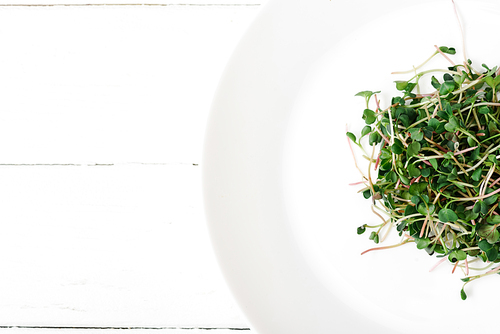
(132, 2)
(111, 84)
(102, 117)
(121, 246)
(185, 330)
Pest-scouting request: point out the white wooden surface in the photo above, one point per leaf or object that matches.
(103, 106)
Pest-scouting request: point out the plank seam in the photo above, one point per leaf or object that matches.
(126, 4)
(126, 328)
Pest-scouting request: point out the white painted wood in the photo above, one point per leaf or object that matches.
(111, 83)
(134, 2)
(126, 331)
(123, 245)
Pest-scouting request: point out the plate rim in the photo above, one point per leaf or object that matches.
(218, 188)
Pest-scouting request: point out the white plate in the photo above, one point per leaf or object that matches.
(276, 167)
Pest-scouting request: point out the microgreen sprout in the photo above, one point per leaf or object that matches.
(437, 165)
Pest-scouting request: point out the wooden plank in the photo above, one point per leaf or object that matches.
(134, 2)
(108, 246)
(117, 243)
(99, 84)
(128, 331)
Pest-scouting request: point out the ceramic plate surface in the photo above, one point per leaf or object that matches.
(276, 169)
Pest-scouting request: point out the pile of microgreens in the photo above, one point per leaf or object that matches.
(438, 163)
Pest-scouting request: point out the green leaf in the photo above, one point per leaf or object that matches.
(489, 232)
(470, 215)
(492, 199)
(410, 210)
(427, 131)
(448, 77)
(492, 128)
(425, 210)
(414, 149)
(367, 193)
(477, 207)
(446, 88)
(425, 198)
(404, 179)
(453, 175)
(415, 200)
(484, 207)
(457, 255)
(445, 49)
(366, 94)
(401, 85)
(361, 229)
(397, 147)
(470, 141)
(463, 295)
(434, 163)
(484, 110)
(416, 134)
(493, 219)
(392, 204)
(490, 250)
(369, 116)
(425, 172)
(405, 120)
(476, 176)
(385, 154)
(448, 155)
(460, 79)
(475, 154)
(434, 123)
(491, 71)
(351, 136)
(423, 243)
(417, 189)
(410, 87)
(385, 165)
(439, 249)
(490, 81)
(435, 83)
(452, 125)
(374, 138)
(413, 171)
(366, 130)
(447, 215)
(391, 177)
(440, 128)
